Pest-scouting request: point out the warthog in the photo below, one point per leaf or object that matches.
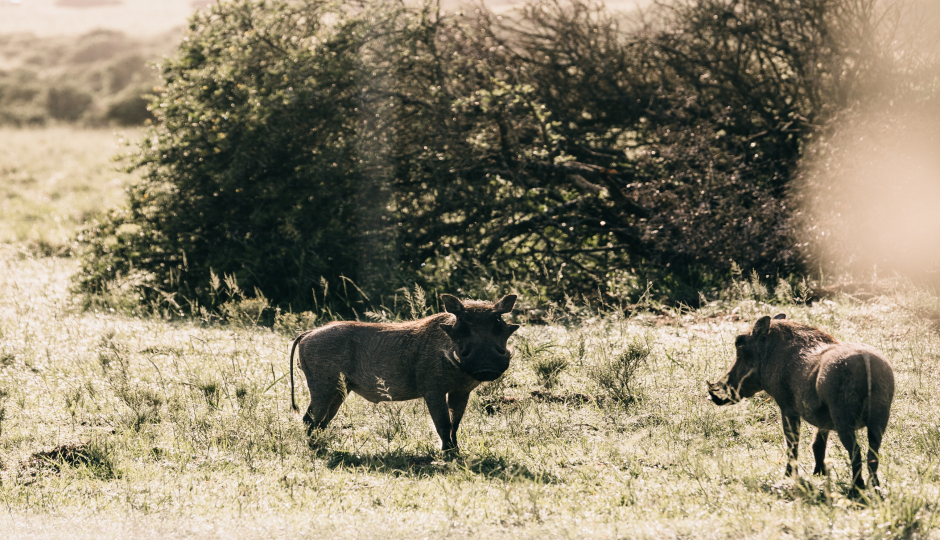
(811, 375)
(441, 358)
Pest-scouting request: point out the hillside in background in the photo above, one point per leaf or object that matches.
(140, 18)
(101, 77)
(143, 18)
(90, 61)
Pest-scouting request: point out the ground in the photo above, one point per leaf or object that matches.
(118, 424)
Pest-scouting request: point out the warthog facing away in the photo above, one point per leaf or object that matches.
(441, 358)
(811, 375)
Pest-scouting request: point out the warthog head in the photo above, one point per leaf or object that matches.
(742, 380)
(480, 335)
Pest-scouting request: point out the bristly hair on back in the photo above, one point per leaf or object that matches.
(478, 305)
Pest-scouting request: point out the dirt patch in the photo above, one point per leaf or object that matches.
(64, 455)
(496, 406)
(93, 456)
(574, 398)
(502, 403)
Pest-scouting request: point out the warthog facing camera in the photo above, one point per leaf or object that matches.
(441, 358)
(811, 375)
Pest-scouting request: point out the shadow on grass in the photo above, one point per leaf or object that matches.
(826, 495)
(790, 490)
(400, 463)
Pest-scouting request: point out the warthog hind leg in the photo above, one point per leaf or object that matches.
(326, 397)
(847, 436)
(791, 432)
(876, 429)
(819, 451)
(440, 415)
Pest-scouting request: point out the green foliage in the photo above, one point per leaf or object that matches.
(291, 324)
(306, 145)
(548, 369)
(257, 169)
(130, 107)
(614, 373)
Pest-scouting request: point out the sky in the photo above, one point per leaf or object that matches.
(145, 18)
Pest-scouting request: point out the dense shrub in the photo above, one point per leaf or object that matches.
(20, 97)
(258, 169)
(67, 103)
(298, 139)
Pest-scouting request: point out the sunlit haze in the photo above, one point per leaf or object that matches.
(143, 18)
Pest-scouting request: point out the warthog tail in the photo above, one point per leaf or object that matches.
(293, 403)
(868, 373)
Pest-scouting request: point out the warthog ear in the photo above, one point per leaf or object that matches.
(510, 328)
(505, 304)
(780, 316)
(762, 326)
(451, 304)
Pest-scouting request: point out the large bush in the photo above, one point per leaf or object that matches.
(300, 140)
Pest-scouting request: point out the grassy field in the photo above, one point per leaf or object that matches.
(52, 180)
(115, 426)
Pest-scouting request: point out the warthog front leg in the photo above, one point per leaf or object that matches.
(819, 451)
(440, 414)
(791, 432)
(457, 403)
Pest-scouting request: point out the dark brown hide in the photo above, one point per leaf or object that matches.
(814, 377)
(441, 358)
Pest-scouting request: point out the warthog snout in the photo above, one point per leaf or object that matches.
(484, 363)
(721, 393)
(487, 375)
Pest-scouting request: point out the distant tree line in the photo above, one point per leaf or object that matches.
(302, 145)
(100, 78)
